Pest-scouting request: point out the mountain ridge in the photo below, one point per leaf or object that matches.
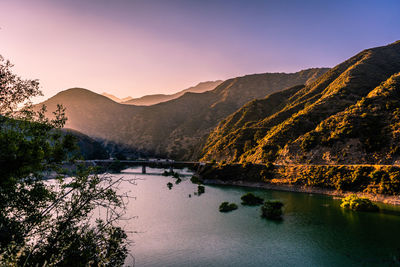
(176, 128)
(149, 100)
(268, 136)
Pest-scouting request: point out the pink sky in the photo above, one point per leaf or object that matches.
(134, 48)
(65, 50)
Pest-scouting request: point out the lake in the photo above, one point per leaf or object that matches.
(174, 229)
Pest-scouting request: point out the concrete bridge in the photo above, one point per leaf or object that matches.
(170, 164)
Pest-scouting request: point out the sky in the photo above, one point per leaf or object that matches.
(134, 48)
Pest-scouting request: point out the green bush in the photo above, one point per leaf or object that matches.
(226, 207)
(272, 210)
(356, 203)
(250, 199)
(195, 180)
(200, 189)
(169, 185)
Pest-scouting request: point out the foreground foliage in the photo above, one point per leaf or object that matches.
(358, 204)
(50, 223)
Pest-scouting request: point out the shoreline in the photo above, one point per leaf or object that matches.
(385, 199)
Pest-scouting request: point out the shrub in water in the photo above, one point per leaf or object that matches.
(226, 206)
(200, 189)
(195, 180)
(356, 203)
(272, 210)
(170, 185)
(251, 200)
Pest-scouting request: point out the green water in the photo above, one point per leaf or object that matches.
(175, 230)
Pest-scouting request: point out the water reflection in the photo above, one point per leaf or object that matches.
(178, 229)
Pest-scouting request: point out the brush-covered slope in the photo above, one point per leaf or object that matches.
(315, 123)
(176, 128)
(149, 100)
(88, 147)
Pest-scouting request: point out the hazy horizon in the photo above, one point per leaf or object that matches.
(136, 48)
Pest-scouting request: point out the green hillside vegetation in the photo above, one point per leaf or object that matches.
(177, 128)
(347, 116)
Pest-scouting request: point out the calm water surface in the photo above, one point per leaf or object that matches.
(177, 230)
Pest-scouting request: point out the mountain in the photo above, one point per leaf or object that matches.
(88, 147)
(349, 115)
(176, 128)
(149, 100)
(116, 99)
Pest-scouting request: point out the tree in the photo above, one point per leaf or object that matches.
(50, 222)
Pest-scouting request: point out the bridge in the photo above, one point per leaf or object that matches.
(170, 164)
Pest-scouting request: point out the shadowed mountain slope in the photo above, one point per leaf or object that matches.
(305, 124)
(176, 128)
(88, 147)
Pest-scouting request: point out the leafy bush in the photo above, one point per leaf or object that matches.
(250, 199)
(169, 185)
(200, 189)
(44, 224)
(358, 204)
(195, 180)
(226, 207)
(272, 210)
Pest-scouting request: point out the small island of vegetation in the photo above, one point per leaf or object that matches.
(195, 180)
(226, 207)
(200, 189)
(171, 173)
(169, 185)
(353, 202)
(272, 210)
(250, 199)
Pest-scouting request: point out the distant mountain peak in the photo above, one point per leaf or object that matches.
(116, 99)
(149, 100)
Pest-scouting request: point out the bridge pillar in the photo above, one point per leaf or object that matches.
(171, 169)
(144, 169)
